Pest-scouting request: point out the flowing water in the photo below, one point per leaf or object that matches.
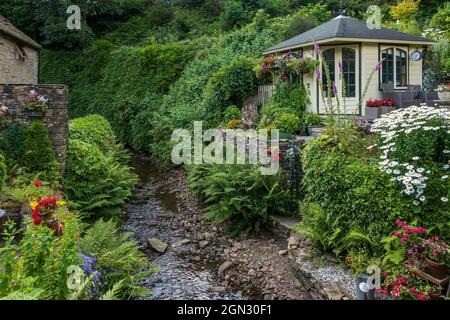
(149, 215)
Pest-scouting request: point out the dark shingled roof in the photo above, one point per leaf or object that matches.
(9, 29)
(345, 27)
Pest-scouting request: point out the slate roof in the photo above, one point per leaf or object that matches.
(345, 27)
(9, 29)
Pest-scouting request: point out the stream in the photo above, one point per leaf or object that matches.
(149, 215)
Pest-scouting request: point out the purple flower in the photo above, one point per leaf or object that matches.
(318, 74)
(410, 251)
(333, 88)
(316, 48)
(378, 66)
(415, 261)
(341, 69)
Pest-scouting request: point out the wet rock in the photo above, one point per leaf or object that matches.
(208, 236)
(157, 245)
(181, 243)
(202, 244)
(223, 268)
(217, 289)
(330, 257)
(294, 241)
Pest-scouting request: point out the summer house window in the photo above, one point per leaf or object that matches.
(349, 71)
(394, 67)
(329, 59)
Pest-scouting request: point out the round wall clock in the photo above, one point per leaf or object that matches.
(416, 55)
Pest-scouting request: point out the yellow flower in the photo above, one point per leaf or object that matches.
(60, 203)
(33, 204)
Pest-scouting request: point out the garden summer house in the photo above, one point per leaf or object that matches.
(359, 46)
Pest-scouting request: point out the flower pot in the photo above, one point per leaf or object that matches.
(444, 95)
(315, 131)
(285, 135)
(34, 114)
(435, 269)
(373, 113)
(386, 109)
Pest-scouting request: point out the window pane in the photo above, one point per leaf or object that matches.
(349, 71)
(328, 56)
(401, 68)
(387, 68)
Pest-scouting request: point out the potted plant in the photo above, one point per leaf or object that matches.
(443, 91)
(388, 105)
(437, 257)
(36, 104)
(287, 123)
(401, 284)
(311, 121)
(4, 120)
(373, 108)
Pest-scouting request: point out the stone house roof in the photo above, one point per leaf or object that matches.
(343, 27)
(9, 29)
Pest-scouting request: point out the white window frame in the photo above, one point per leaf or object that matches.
(394, 61)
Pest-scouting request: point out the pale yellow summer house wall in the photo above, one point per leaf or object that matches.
(310, 82)
(369, 55)
(415, 68)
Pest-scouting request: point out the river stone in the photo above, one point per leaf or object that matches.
(157, 245)
(223, 268)
(202, 244)
(180, 243)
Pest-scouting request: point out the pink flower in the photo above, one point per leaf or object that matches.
(316, 48)
(318, 74)
(399, 223)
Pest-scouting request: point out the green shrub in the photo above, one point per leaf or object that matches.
(93, 129)
(310, 119)
(37, 265)
(232, 113)
(230, 85)
(96, 182)
(355, 195)
(239, 196)
(2, 171)
(288, 122)
(414, 146)
(107, 249)
(11, 143)
(39, 155)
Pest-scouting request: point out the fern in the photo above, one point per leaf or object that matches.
(115, 251)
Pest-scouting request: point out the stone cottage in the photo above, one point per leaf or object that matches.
(19, 55)
(19, 69)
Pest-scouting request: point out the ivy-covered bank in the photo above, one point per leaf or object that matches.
(60, 238)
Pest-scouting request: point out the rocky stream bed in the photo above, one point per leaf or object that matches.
(197, 260)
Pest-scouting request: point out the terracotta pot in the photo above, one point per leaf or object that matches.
(435, 269)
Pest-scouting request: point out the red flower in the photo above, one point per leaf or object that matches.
(38, 184)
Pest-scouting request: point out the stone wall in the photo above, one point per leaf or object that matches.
(55, 117)
(14, 70)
